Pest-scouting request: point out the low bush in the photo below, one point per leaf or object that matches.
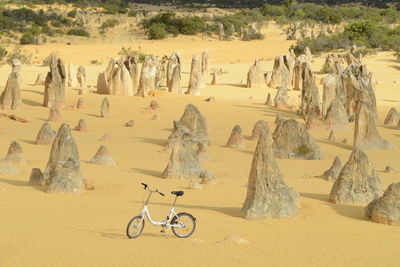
(109, 23)
(27, 38)
(79, 32)
(157, 32)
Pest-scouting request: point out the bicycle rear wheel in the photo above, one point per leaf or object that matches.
(184, 225)
(135, 227)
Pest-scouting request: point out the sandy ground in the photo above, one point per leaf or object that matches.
(39, 229)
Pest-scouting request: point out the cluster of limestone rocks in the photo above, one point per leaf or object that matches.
(348, 96)
(125, 77)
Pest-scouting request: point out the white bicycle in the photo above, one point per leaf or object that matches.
(183, 224)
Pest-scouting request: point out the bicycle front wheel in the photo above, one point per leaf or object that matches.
(183, 225)
(135, 227)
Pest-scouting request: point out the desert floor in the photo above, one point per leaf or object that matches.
(40, 229)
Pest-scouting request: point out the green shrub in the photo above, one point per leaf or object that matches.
(79, 32)
(163, 24)
(303, 150)
(129, 52)
(109, 23)
(72, 13)
(157, 31)
(3, 53)
(27, 38)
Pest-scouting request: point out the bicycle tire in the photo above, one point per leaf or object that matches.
(177, 219)
(131, 236)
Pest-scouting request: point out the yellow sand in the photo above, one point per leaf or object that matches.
(40, 229)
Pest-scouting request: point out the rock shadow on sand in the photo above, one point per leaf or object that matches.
(346, 210)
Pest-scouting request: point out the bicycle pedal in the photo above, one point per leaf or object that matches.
(162, 231)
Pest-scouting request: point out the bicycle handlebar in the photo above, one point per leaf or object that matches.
(156, 191)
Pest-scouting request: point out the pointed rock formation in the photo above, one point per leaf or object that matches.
(214, 80)
(40, 80)
(366, 135)
(386, 209)
(310, 99)
(332, 136)
(174, 85)
(192, 123)
(297, 72)
(336, 116)
(357, 182)
(63, 168)
(45, 135)
(132, 65)
(392, 118)
(154, 106)
(204, 65)
(81, 103)
(11, 97)
(255, 76)
(54, 91)
(130, 123)
(195, 77)
(15, 154)
(119, 81)
(54, 114)
(173, 62)
(333, 172)
(268, 196)
(389, 169)
(72, 76)
(236, 139)
(292, 141)
(6, 168)
(280, 74)
(184, 163)
(102, 157)
(147, 80)
(281, 98)
(82, 79)
(106, 137)
(268, 102)
(104, 108)
(259, 126)
(36, 177)
(81, 127)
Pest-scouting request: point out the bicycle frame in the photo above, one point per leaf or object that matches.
(146, 213)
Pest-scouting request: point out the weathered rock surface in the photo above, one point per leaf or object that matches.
(386, 209)
(255, 76)
(102, 157)
(366, 135)
(184, 163)
(104, 108)
(45, 135)
(392, 118)
(10, 98)
(195, 77)
(15, 154)
(357, 181)
(81, 127)
(63, 173)
(292, 141)
(54, 91)
(147, 80)
(281, 75)
(333, 172)
(259, 126)
(268, 196)
(36, 177)
(54, 114)
(236, 139)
